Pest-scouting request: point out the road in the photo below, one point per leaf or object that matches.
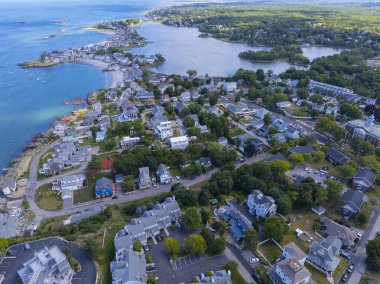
(33, 184)
(359, 259)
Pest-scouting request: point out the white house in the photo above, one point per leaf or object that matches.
(164, 130)
(70, 182)
(229, 86)
(185, 97)
(9, 186)
(261, 205)
(129, 142)
(180, 142)
(60, 127)
(163, 174)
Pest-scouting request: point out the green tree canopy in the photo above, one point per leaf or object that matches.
(191, 219)
(172, 247)
(195, 244)
(275, 228)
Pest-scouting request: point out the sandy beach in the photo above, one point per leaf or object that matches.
(113, 77)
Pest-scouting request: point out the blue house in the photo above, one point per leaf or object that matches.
(104, 187)
(280, 125)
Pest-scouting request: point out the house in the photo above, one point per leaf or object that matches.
(163, 215)
(364, 179)
(194, 95)
(284, 104)
(217, 277)
(164, 99)
(97, 107)
(164, 130)
(223, 141)
(162, 87)
(279, 137)
(229, 87)
(256, 124)
(163, 174)
(323, 255)
(261, 112)
(130, 112)
(261, 205)
(292, 133)
(237, 221)
(70, 182)
(130, 268)
(204, 161)
(353, 200)
(144, 94)
(301, 150)
(366, 129)
(280, 125)
(331, 110)
(104, 187)
(253, 147)
(289, 271)
(48, 265)
(150, 102)
(346, 235)
(60, 127)
(9, 186)
(336, 157)
(242, 140)
(111, 95)
(129, 142)
(237, 109)
(185, 97)
(100, 136)
(263, 131)
(319, 210)
(144, 178)
(77, 218)
(180, 142)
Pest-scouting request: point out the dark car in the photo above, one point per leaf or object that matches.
(115, 197)
(10, 252)
(158, 238)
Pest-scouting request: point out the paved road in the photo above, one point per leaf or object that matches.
(10, 265)
(42, 214)
(360, 255)
(232, 253)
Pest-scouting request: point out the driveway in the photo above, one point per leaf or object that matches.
(10, 265)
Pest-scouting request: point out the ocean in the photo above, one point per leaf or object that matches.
(30, 99)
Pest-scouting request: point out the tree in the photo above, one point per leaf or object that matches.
(191, 219)
(249, 238)
(279, 167)
(172, 247)
(347, 171)
(350, 110)
(3, 245)
(267, 119)
(151, 279)
(334, 189)
(275, 228)
(317, 99)
(25, 204)
(207, 235)
(205, 214)
(318, 156)
(137, 246)
(284, 204)
(362, 147)
(188, 122)
(296, 158)
(373, 254)
(218, 246)
(195, 244)
(92, 248)
(363, 217)
(128, 184)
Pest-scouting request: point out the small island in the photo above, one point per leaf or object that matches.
(293, 54)
(45, 60)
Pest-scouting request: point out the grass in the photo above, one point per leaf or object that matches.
(270, 250)
(340, 270)
(48, 199)
(235, 131)
(237, 278)
(316, 275)
(175, 172)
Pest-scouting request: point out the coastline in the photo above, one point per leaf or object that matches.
(113, 77)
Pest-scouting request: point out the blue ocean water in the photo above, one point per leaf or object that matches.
(31, 99)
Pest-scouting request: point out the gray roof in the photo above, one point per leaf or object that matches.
(131, 268)
(330, 228)
(11, 183)
(324, 253)
(302, 150)
(275, 157)
(293, 270)
(295, 252)
(260, 198)
(144, 173)
(337, 156)
(162, 170)
(219, 277)
(365, 176)
(354, 200)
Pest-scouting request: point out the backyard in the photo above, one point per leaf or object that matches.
(48, 199)
(270, 251)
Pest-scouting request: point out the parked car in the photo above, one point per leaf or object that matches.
(10, 252)
(158, 238)
(378, 234)
(115, 197)
(146, 247)
(350, 268)
(344, 278)
(253, 260)
(27, 246)
(346, 255)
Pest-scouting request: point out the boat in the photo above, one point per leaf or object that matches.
(49, 36)
(59, 21)
(62, 30)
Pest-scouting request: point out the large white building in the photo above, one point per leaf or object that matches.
(180, 142)
(261, 205)
(164, 130)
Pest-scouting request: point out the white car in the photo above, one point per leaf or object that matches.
(253, 260)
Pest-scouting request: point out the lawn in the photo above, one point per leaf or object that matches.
(340, 270)
(235, 131)
(316, 275)
(270, 250)
(48, 199)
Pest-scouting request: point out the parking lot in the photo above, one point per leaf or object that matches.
(299, 173)
(187, 261)
(10, 264)
(182, 269)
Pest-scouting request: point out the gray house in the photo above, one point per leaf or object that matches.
(261, 205)
(364, 179)
(354, 200)
(163, 174)
(323, 255)
(144, 178)
(346, 235)
(131, 268)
